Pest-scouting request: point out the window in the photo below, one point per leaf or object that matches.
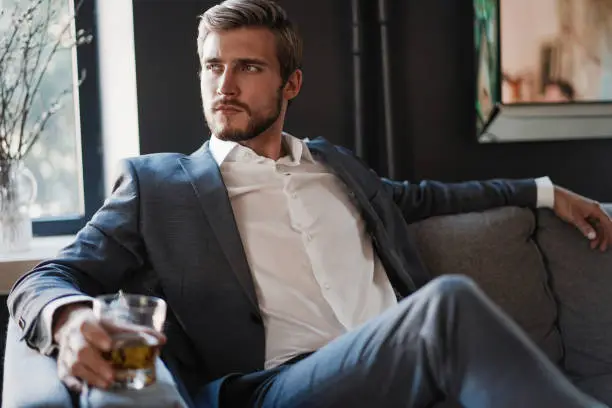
(66, 160)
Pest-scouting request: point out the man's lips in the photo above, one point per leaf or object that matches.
(227, 109)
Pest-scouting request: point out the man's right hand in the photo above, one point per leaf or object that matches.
(81, 340)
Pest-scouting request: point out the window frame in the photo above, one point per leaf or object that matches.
(90, 119)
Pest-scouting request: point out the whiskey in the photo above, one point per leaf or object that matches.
(133, 358)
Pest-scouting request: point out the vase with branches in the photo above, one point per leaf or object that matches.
(32, 34)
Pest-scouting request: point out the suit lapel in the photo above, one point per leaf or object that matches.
(210, 190)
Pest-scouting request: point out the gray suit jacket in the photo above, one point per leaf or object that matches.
(168, 230)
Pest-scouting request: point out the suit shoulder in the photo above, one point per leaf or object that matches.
(349, 154)
(155, 161)
(345, 151)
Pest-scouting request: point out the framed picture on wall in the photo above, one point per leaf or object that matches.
(542, 59)
(486, 36)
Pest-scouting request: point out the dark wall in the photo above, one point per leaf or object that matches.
(169, 106)
(167, 68)
(432, 92)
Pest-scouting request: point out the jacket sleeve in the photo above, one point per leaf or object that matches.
(104, 254)
(431, 198)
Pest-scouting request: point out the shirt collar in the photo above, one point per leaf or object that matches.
(223, 150)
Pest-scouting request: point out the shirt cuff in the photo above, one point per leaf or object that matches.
(545, 193)
(48, 345)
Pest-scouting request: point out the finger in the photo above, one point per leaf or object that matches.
(90, 377)
(605, 225)
(586, 229)
(602, 236)
(93, 360)
(595, 243)
(78, 351)
(73, 383)
(601, 222)
(599, 242)
(63, 373)
(96, 335)
(605, 238)
(603, 215)
(600, 217)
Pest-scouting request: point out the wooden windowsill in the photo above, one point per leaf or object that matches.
(14, 265)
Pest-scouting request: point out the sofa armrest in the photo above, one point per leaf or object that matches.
(30, 378)
(581, 280)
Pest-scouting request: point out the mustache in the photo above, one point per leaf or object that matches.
(231, 102)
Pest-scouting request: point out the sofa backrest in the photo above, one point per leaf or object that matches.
(581, 279)
(496, 248)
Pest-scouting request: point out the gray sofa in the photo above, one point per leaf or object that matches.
(542, 272)
(537, 268)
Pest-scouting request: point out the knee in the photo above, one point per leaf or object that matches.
(153, 396)
(455, 286)
(163, 393)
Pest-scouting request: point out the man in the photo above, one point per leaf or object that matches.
(282, 262)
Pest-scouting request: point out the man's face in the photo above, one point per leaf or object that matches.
(242, 89)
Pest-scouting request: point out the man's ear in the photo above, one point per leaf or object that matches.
(293, 85)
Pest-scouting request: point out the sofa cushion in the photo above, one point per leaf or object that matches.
(599, 387)
(495, 248)
(581, 279)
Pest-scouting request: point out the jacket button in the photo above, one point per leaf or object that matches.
(21, 323)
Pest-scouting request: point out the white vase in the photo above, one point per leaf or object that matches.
(17, 192)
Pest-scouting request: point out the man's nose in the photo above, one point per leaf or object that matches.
(227, 84)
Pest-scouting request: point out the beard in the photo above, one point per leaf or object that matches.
(256, 125)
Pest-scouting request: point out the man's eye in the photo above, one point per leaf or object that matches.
(214, 67)
(251, 68)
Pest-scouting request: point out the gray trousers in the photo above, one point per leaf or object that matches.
(162, 394)
(447, 342)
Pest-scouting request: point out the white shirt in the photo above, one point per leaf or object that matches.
(312, 261)
(315, 271)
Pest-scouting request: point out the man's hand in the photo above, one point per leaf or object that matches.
(587, 215)
(81, 340)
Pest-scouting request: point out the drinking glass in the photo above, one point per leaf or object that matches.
(131, 320)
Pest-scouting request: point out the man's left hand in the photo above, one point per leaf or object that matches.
(587, 215)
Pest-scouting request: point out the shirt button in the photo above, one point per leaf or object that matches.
(308, 237)
(326, 286)
(293, 195)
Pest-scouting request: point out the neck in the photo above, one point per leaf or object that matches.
(267, 144)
